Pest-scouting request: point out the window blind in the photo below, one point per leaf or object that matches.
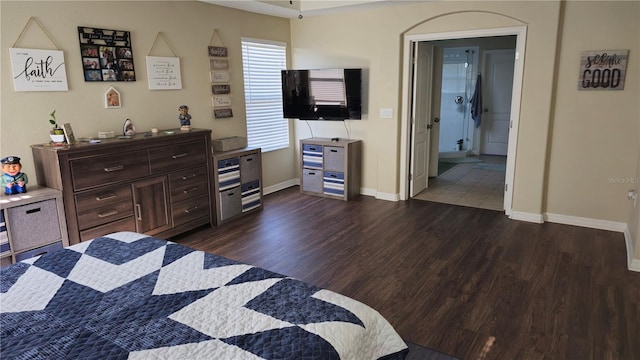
(262, 62)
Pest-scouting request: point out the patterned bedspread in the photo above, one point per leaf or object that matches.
(127, 295)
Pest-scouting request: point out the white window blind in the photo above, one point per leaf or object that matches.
(262, 62)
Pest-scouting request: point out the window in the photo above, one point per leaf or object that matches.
(262, 62)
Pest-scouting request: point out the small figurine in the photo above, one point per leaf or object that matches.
(184, 117)
(13, 180)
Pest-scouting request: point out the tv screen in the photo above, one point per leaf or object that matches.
(324, 94)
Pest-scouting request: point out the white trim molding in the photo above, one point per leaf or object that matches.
(585, 222)
(280, 186)
(632, 263)
(528, 217)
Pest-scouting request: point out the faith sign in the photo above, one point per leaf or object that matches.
(38, 70)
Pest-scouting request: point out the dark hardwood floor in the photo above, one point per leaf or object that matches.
(448, 277)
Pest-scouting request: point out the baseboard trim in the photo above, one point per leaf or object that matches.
(632, 264)
(585, 222)
(387, 196)
(529, 217)
(280, 186)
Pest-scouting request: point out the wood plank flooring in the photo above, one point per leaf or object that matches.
(448, 277)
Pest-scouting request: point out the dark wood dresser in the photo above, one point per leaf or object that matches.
(156, 184)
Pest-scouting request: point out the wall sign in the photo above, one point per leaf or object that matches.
(106, 54)
(38, 70)
(220, 78)
(164, 73)
(602, 70)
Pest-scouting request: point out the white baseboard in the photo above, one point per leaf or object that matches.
(280, 186)
(528, 217)
(586, 222)
(388, 196)
(632, 264)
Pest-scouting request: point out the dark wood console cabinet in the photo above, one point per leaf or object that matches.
(157, 185)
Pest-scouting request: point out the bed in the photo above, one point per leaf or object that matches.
(128, 295)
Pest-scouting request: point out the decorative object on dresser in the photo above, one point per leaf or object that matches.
(237, 182)
(56, 133)
(330, 167)
(157, 185)
(33, 225)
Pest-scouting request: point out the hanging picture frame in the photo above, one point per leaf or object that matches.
(164, 73)
(106, 54)
(38, 69)
(112, 98)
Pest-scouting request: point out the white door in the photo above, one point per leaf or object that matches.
(497, 86)
(420, 108)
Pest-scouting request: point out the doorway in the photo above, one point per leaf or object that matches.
(472, 150)
(517, 35)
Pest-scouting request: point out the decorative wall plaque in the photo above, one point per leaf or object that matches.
(602, 70)
(106, 54)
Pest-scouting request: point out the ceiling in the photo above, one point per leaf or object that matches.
(295, 8)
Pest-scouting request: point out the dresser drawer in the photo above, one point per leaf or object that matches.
(188, 184)
(190, 210)
(126, 224)
(105, 214)
(175, 157)
(108, 169)
(103, 198)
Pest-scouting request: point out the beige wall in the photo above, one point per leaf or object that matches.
(187, 24)
(594, 134)
(569, 142)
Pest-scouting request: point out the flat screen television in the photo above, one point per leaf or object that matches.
(323, 94)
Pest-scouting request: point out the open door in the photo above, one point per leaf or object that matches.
(420, 119)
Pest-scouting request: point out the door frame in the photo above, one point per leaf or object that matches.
(405, 141)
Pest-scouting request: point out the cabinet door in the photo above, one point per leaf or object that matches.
(249, 168)
(151, 198)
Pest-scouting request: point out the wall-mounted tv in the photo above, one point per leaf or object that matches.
(323, 94)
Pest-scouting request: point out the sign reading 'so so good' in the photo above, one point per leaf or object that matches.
(602, 70)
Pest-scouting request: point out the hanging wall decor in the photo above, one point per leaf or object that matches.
(602, 70)
(220, 78)
(112, 99)
(106, 54)
(38, 69)
(163, 72)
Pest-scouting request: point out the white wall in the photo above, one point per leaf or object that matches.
(188, 25)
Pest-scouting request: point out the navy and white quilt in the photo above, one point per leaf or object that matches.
(131, 296)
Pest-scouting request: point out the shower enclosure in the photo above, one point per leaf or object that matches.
(459, 72)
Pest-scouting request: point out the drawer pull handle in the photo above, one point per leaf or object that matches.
(332, 150)
(138, 212)
(188, 211)
(189, 177)
(250, 159)
(105, 197)
(107, 214)
(190, 190)
(31, 211)
(114, 168)
(180, 156)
